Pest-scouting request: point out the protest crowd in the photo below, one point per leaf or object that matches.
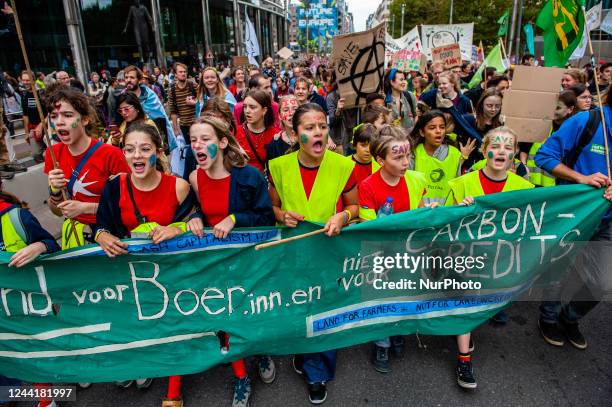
(150, 152)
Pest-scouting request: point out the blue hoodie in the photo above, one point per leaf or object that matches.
(559, 145)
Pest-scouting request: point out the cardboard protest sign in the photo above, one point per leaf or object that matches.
(284, 53)
(410, 41)
(240, 60)
(359, 60)
(529, 106)
(406, 60)
(449, 55)
(433, 36)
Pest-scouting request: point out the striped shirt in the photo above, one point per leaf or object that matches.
(185, 112)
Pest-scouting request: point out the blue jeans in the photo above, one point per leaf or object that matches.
(594, 264)
(319, 367)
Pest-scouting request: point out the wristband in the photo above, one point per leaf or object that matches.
(348, 215)
(233, 217)
(53, 191)
(463, 157)
(99, 232)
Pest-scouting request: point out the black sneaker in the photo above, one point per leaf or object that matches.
(13, 167)
(398, 343)
(7, 175)
(298, 364)
(465, 375)
(551, 333)
(381, 359)
(573, 334)
(317, 393)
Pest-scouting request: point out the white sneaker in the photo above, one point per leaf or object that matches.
(52, 404)
(267, 369)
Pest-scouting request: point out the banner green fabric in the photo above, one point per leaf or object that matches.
(494, 59)
(78, 316)
(503, 24)
(563, 24)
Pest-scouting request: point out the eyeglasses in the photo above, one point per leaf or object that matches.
(126, 109)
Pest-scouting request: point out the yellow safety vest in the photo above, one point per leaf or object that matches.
(469, 185)
(331, 179)
(437, 173)
(69, 240)
(144, 229)
(13, 233)
(537, 175)
(415, 181)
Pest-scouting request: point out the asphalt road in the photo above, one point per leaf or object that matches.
(513, 365)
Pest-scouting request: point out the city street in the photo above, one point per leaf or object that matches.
(513, 366)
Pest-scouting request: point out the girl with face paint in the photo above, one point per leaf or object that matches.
(157, 204)
(434, 157)
(231, 194)
(258, 130)
(285, 139)
(499, 146)
(85, 165)
(318, 185)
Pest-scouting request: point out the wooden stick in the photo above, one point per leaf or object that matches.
(601, 110)
(289, 239)
(39, 107)
(504, 50)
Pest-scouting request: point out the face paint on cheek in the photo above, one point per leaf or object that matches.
(212, 150)
(153, 160)
(76, 123)
(303, 138)
(490, 154)
(511, 156)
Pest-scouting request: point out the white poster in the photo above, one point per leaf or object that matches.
(410, 41)
(250, 41)
(433, 36)
(593, 21)
(607, 24)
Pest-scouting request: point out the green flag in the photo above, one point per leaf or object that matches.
(495, 60)
(503, 24)
(563, 24)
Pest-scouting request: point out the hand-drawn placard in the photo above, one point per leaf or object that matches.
(433, 36)
(450, 55)
(359, 60)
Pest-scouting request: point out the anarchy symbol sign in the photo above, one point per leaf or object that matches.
(359, 60)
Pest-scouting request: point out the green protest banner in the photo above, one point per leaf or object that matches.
(78, 316)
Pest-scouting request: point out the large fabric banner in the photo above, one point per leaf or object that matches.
(433, 36)
(410, 42)
(78, 316)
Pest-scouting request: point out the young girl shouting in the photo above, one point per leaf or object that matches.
(499, 146)
(231, 194)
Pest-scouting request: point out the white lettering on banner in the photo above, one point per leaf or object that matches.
(27, 298)
(110, 293)
(150, 280)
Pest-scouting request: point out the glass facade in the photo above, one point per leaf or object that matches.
(110, 29)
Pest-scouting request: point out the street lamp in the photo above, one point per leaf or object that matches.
(450, 18)
(402, 25)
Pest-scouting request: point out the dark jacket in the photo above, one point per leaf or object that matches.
(34, 231)
(108, 216)
(249, 201)
(319, 100)
(464, 105)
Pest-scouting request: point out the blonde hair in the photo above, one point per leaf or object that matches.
(578, 74)
(388, 134)
(498, 131)
(219, 92)
(452, 78)
(233, 154)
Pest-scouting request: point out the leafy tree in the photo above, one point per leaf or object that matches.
(483, 13)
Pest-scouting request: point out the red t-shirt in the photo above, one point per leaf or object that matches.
(374, 191)
(214, 197)
(108, 160)
(490, 186)
(259, 141)
(158, 205)
(362, 171)
(4, 205)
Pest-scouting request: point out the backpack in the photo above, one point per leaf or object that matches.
(192, 92)
(585, 138)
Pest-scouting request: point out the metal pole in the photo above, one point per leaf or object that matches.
(77, 45)
(450, 17)
(159, 38)
(307, 10)
(512, 24)
(402, 24)
(518, 32)
(393, 25)
(238, 29)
